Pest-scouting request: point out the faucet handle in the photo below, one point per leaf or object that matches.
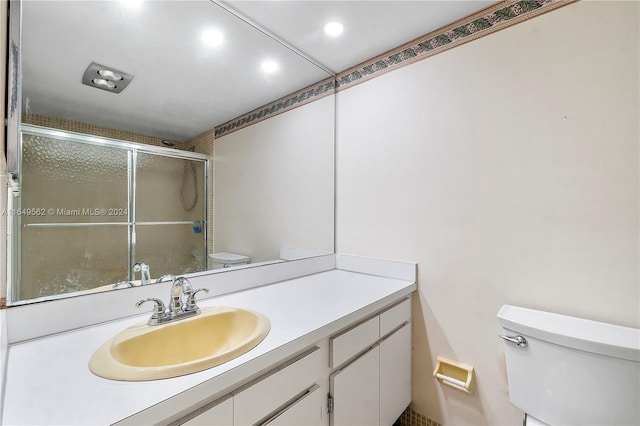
(120, 283)
(191, 300)
(166, 277)
(158, 310)
(140, 266)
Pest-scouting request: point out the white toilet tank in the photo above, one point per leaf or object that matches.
(572, 371)
(227, 260)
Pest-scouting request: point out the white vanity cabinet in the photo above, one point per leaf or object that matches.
(355, 391)
(359, 376)
(284, 393)
(329, 327)
(307, 410)
(372, 382)
(395, 374)
(219, 413)
(288, 394)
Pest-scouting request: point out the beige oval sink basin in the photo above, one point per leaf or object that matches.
(215, 336)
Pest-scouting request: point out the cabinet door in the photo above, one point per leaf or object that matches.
(256, 402)
(356, 391)
(306, 411)
(395, 375)
(218, 415)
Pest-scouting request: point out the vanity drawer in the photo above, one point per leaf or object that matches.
(351, 342)
(394, 317)
(306, 410)
(257, 400)
(219, 414)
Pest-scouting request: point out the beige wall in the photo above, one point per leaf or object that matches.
(274, 184)
(508, 169)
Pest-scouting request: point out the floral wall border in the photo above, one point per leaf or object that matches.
(487, 21)
(301, 97)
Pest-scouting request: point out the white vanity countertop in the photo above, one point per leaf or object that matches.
(49, 382)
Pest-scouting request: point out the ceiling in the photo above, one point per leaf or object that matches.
(371, 27)
(182, 86)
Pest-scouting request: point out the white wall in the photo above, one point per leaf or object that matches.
(508, 169)
(274, 184)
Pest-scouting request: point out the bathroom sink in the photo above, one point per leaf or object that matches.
(143, 352)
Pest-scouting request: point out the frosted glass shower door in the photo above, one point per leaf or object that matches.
(89, 208)
(72, 216)
(170, 213)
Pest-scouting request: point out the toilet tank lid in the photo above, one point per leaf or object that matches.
(578, 333)
(230, 258)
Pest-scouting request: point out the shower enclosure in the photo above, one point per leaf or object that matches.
(89, 208)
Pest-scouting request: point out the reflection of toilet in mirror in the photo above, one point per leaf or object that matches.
(227, 260)
(570, 371)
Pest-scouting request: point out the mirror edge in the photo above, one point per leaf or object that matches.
(14, 86)
(12, 113)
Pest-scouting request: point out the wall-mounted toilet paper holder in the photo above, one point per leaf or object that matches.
(455, 374)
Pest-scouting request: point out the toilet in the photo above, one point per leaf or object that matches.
(227, 260)
(564, 370)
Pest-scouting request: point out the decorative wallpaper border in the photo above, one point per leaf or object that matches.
(308, 94)
(487, 21)
(480, 24)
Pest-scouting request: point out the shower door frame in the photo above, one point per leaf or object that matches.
(14, 255)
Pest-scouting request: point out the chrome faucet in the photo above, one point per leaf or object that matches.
(180, 287)
(145, 276)
(178, 309)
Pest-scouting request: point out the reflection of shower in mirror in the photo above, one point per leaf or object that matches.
(189, 169)
(104, 206)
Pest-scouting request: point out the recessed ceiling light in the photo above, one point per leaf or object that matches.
(269, 66)
(212, 37)
(110, 75)
(333, 28)
(102, 83)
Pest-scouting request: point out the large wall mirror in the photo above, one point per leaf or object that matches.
(159, 137)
